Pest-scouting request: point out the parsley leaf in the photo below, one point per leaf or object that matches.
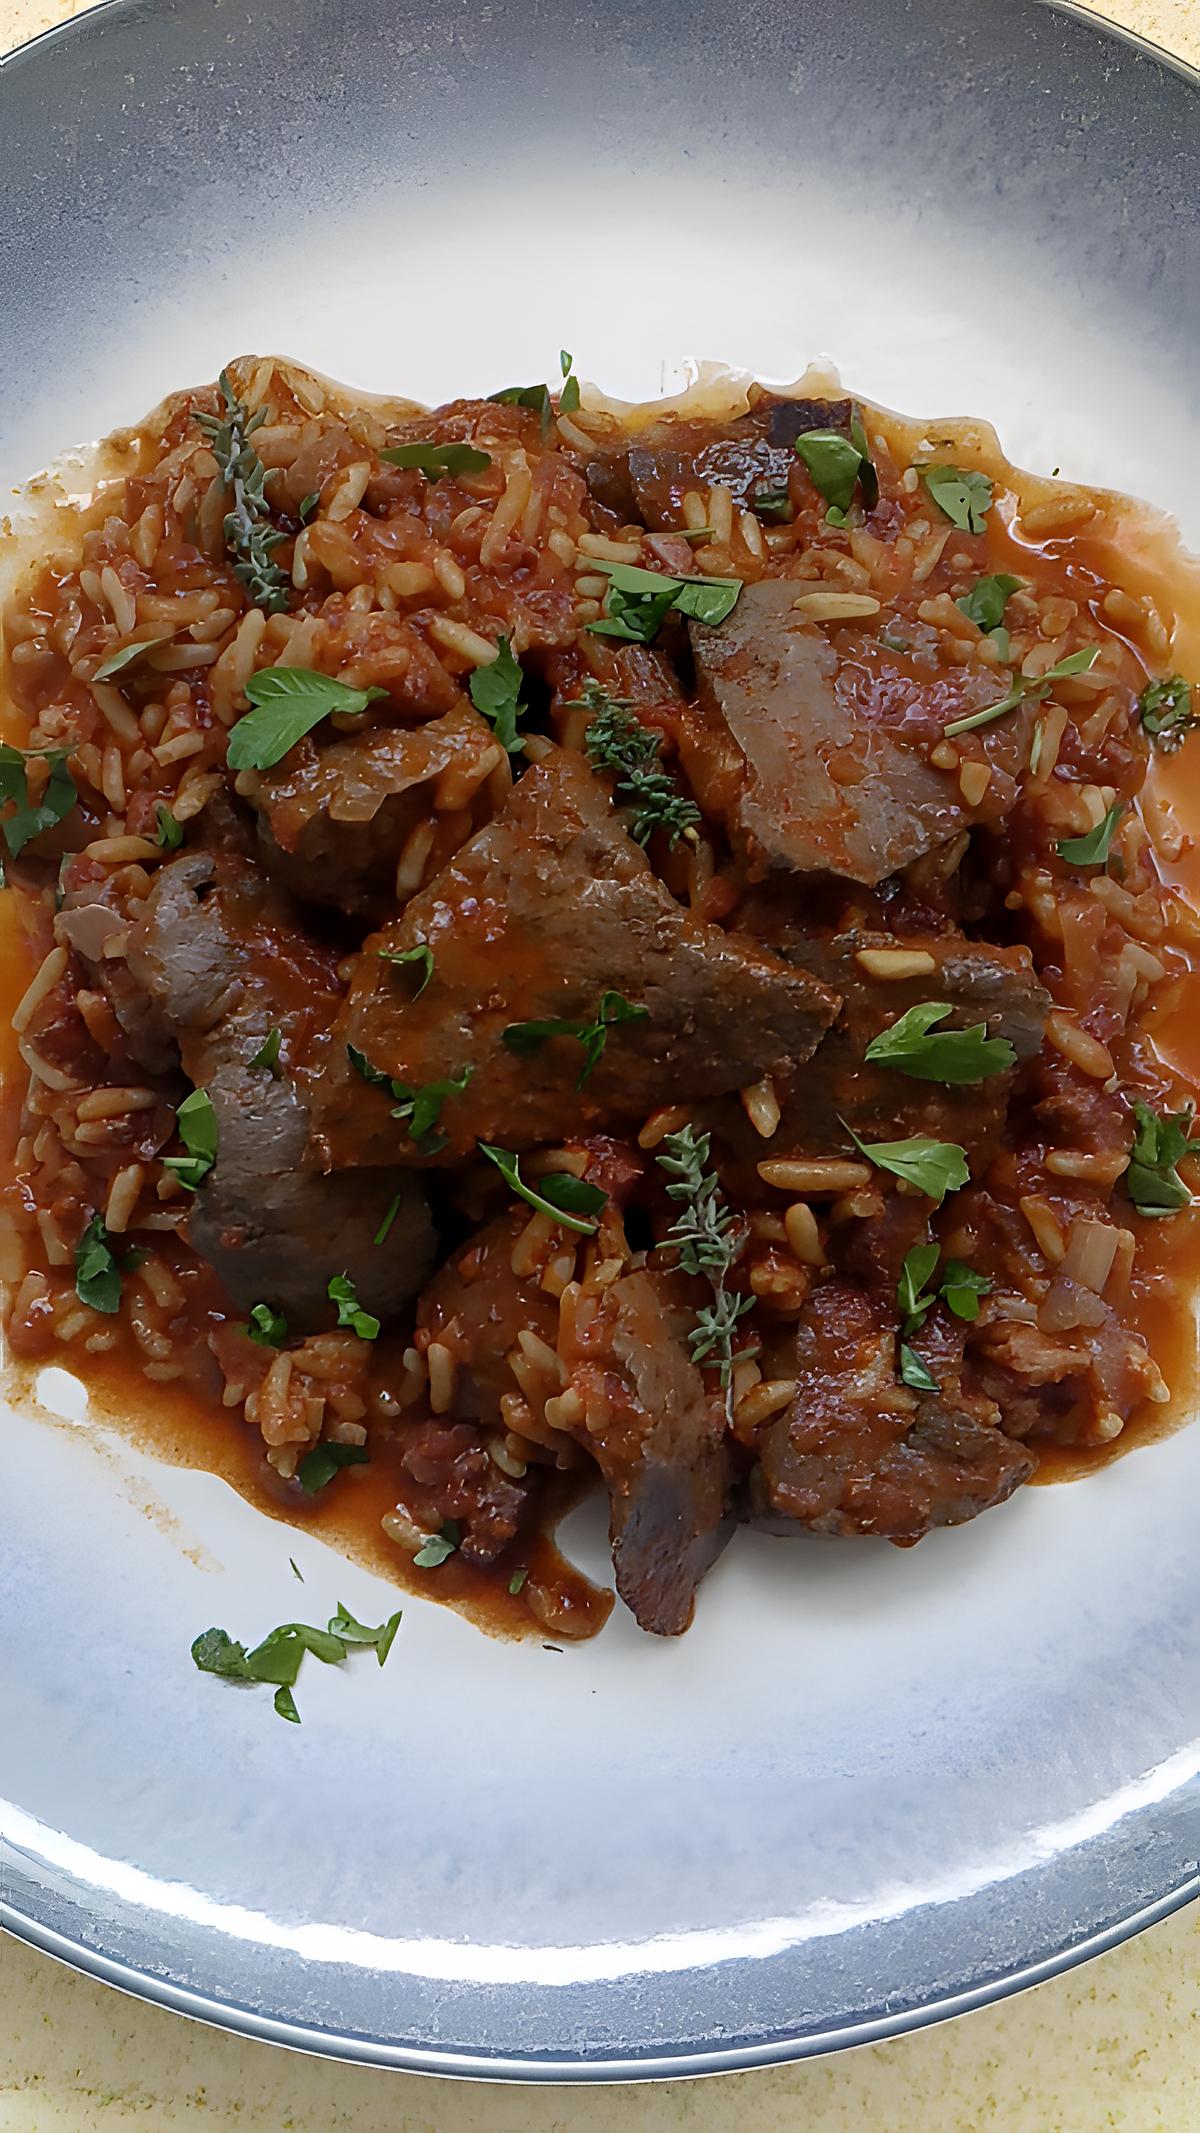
(934, 1167)
(913, 1371)
(984, 605)
(97, 1274)
(568, 1199)
(568, 399)
(58, 795)
(118, 662)
(197, 1122)
(914, 1298)
(422, 1108)
(267, 1054)
(771, 502)
(318, 1466)
(495, 691)
(1165, 710)
(249, 535)
(912, 1046)
(1159, 1143)
(536, 397)
(381, 1233)
(964, 495)
(170, 831)
(350, 1312)
(421, 957)
(962, 1288)
(616, 741)
(266, 1326)
(1024, 689)
(837, 465)
(517, 1581)
(438, 1546)
(638, 600)
(276, 1661)
(288, 702)
(525, 1038)
(434, 460)
(344, 1625)
(1092, 849)
(308, 506)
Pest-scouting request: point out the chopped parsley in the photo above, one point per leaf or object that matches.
(434, 460)
(169, 833)
(912, 1046)
(197, 1122)
(1165, 710)
(525, 1038)
(318, 1467)
(381, 1233)
(771, 501)
(1025, 689)
(97, 1269)
(350, 1312)
(962, 1288)
(420, 1109)
(438, 1547)
(1092, 849)
(913, 1371)
(710, 1240)
(308, 506)
(837, 466)
(117, 663)
(276, 1661)
(934, 1167)
(570, 1200)
(288, 702)
(516, 1582)
(984, 605)
(418, 959)
(28, 818)
(535, 397)
(568, 399)
(637, 600)
(249, 535)
(267, 1054)
(619, 743)
(962, 494)
(266, 1326)
(914, 1297)
(1159, 1143)
(495, 691)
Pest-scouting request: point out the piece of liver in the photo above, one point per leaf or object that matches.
(644, 479)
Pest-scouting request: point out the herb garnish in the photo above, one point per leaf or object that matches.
(421, 1108)
(1165, 710)
(913, 1371)
(249, 535)
(126, 656)
(197, 1122)
(1092, 849)
(1025, 689)
(568, 1199)
(495, 691)
(267, 1054)
(267, 1327)
(58, 794)
(837, 465)
(169, 834)
(568, 399)
(771, 502)
(710, 1240)
(277, 1659)
(934, 1167)
(288, 702)
(536, 397)
(308, 506)
(97, 1271)
(420, 957)
(963, 494)
(1159, 1143)
(960, 1288)
(435, 1549)
(517, 1581)
(381, 1233)
(318, 1466)
(525, 1038)
(912, 1046)
(637, 600)
(341, 1291)
(434, 460)
(984, 605)
(618, 742)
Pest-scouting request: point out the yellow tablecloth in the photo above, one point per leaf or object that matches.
(1115, 2045)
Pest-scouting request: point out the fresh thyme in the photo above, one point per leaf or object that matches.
(249, 534)
(710, 1240)
(618, 742)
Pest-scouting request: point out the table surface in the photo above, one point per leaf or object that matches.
(1114, 2045)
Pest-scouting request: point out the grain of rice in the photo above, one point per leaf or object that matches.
(1100, 1169)
(1108, 1426)
(608, 550)
(178, 749)
(557, 1273)
(761, 1106)
(835, 606)
(1047, 1229)
(443, 1376)
(591, 587)
(540, 1354)
(1078, 1045)
(410, 868)
(508, 511)
(39, 988)
(929, 555)
(671, 1119)
(99, 1343)
(75, 1322)
(1059, 514)
(478, 651)
(571, 434)
(751, 533)
(449, 574)
(121, 603)
(531, 1243)
(743, 1377)
(1088, 1259)
(115, 711)
(12, 1252)
(815, 1174)
(762, 1401)
(112, 776)
(227, 681)
(803, 1236)
(945, 756)
(895, 963)
(54, 1244)
(974, 779)
(561, 545)
(158, 1279)
(565, 1410)
(122, 1198)
(146, 535)
(507, 1461)
(1139, 915)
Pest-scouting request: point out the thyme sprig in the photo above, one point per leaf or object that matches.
(618, 742)
(249, 534)
(710, 1241)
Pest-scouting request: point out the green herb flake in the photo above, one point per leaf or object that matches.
(771, 502)
(318, 1466)
(438, 1547)
(418, 959)
(118, 661)
(836, 465)
(276, 1661)
(962, 494)
(526, 1038)
(435, 460)
(1091, 850)
(58, 795)
(984, 605)
(710, 1240)
(380, 1639)
(288, 702)
(962, 1288)
(197, 1122)
(889, 639)
(495, 691)
(535, 397)
(266, 1326)
(617, 742)
(381, 1233)
(1165, 710)
(568, 399)
(97, 1273)
(516, 1582)
(913, 1371)
(912, 1046)
(420, 1108)
(285, 1706)
(1159, 1143)
(914, 1298)
(267, 1054)
(296, 1570)
(309, 506)
(638, 600)
(169, 834)
(934, 1167)
(569, 1200)
(350, 1313)
(1025, 690)
(249, 535)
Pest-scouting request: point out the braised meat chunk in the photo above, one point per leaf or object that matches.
(645, 478)
(544, 913)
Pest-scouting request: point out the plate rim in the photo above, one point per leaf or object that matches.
(783, 2048)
